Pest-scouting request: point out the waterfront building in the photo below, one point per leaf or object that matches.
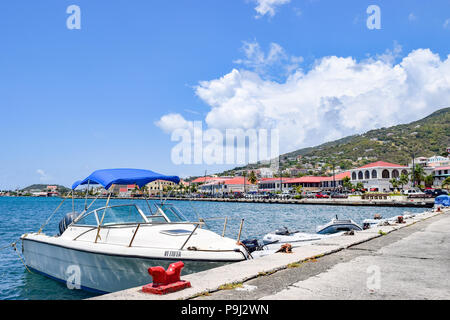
(206, 179)
(158, 186)
(228, 185)
(440, 174)
(438, 161)
(266, 172)
(335, 182)
(376, 176)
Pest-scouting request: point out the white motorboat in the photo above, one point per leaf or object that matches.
(283, 235)
(110, 248)
(370, 223)
(337, 225)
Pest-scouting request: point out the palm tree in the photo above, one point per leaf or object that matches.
(359, 186)
(252, 178)
(446, 183)
(346, 183)
(403, 179)
(394, 183)
(417, 175)
(428, 180)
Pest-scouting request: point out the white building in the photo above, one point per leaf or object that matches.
(438, 161)
(266, 172)
(375, 176)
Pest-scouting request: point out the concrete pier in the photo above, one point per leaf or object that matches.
(411, 260)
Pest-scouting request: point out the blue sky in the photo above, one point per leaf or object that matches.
(73, 101)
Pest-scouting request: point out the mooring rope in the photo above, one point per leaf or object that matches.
(14, 246)
(20, 257)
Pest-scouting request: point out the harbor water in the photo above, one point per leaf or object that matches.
(24, 215)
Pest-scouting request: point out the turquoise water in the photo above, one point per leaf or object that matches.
(23, 215)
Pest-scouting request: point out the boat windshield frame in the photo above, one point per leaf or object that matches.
(167, 211)
(98, 214)
(173, 210)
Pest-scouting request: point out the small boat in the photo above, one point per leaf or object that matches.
(295, 238)
(370, 223)
(112, 247)
(337, 225)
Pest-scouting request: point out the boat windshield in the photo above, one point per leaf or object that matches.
(120, 214)
(171, 212)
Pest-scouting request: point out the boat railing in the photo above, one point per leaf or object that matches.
(138, 225)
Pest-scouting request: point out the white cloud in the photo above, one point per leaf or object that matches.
(446, 24)
(44, 177)
(276, 58)
(268, 7)
(172, 121)
(412, 17)
(337, 97)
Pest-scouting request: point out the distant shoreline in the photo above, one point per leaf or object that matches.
(414, 203)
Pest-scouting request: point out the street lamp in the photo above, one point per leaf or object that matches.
(413, 171)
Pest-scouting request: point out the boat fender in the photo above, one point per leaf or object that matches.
(285, 248)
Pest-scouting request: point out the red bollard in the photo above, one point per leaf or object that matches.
(166, 281)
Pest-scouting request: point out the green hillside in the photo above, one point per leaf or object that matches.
(426, 137)
(43, 187)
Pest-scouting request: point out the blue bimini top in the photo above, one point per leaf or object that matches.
(108, 177)
(442, 200)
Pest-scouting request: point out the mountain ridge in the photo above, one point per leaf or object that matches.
(426, 137)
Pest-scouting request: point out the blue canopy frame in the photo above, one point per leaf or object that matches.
(108, 177)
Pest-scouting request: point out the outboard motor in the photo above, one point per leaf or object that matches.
(251, 244)
(66, 221)
(283, 231)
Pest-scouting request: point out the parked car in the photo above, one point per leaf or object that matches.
(322, 195)
(309, 194)
(337, 195)
(414, 193)
(436, 192)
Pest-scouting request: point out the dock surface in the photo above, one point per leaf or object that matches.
(403, 261)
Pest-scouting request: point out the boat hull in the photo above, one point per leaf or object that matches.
(99, 272)
(334, 228)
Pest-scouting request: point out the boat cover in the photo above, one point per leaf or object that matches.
(108, 177)
(443, 200)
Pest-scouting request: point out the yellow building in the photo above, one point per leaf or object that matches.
(156, 186)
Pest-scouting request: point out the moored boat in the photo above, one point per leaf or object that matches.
(338, 225)
(110, 248)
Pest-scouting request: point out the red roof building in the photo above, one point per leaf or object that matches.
(377, 175)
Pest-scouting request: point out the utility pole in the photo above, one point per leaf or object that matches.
(413, 171)
(334, 179)
(281, 173)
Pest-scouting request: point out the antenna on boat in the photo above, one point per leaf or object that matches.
(146, 196)
(87, 191)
